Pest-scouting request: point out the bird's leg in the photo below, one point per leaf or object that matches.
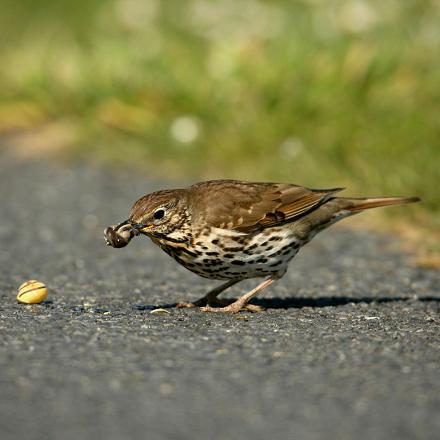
(211, 297)
(241, 303)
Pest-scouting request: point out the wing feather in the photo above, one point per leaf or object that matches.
(248, 206)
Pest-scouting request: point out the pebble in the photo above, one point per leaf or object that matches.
(160, 312)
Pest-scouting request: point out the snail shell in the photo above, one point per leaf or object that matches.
(117, 239)
(32, 292)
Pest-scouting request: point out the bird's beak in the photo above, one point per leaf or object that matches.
(142, 228)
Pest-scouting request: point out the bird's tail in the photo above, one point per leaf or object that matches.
(355, 205)
(338, 208)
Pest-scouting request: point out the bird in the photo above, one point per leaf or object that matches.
(234, 230)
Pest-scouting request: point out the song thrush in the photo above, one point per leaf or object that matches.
(233, 230)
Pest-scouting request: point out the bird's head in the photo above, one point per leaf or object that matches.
(157, 214)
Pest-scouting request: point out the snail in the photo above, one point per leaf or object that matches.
(120, 235)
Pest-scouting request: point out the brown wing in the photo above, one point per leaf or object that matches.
(246, 206)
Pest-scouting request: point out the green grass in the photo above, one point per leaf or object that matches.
(321, 93)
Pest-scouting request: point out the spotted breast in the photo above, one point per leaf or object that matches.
(223, 254)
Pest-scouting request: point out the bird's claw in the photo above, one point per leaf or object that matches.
(233, 308)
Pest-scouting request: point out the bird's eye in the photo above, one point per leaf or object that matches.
(159, 214)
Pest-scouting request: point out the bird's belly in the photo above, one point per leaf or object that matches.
(229, 255)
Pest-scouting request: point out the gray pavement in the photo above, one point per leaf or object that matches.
(349, 347)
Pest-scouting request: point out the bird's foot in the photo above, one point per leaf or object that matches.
(205, 301)
(234, 307)
(219, 305)
(191, 305)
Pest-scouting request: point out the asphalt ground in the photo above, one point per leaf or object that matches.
(349, 347)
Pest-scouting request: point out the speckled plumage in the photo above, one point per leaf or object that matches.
(224, 255)
(233, 230)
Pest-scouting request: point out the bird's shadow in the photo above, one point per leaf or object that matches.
(332, 301)
(324, 301)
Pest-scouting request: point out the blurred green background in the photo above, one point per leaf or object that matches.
(316, 92)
